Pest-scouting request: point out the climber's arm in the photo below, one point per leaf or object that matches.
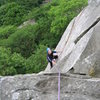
(49, 59)
(57, 51)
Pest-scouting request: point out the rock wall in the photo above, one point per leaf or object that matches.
(81, 51)
(94, 2)
(80, 40)
(45, 87)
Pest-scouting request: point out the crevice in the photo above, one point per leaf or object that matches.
(82, 34)
(33, 89)
(25, 89)
(56, 74)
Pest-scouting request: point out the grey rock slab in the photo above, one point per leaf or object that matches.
(90, 56)
(94, 2)
(75, 55)
(61, 45)
(77, 26)
(46, 88)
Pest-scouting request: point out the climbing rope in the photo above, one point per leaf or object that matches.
(59, 85)
(59, 74)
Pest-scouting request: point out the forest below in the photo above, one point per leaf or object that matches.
(28, 27)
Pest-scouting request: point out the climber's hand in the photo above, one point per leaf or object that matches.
(54, 62)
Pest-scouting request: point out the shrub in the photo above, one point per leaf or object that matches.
(23, 41)
(37, 62)
(6, 31)
(18, 62)
(26, 4)
(11, 64)
(11, 14)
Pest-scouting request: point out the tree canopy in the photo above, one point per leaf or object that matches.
(23, 50)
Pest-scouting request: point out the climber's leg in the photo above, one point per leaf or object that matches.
(51, 64)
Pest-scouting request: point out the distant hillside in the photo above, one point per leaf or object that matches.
(23, 50)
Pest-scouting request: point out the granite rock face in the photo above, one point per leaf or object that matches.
(79, 60)
(94, 2)
(45, 87)
(80, 41)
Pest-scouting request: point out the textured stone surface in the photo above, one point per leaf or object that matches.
(80, 40)
(94, 2)
(29, 22)
(44, 87)
(89, 63)
(81, 51)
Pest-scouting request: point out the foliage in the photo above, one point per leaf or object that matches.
(6, 31)
(29, 4)
(63, 13)
(18, 62)
(92, 71)
(39, 12)
(26, 4)
(37, 61)
(11, 64)
(23, 41)
(11, 14)
(54, 18)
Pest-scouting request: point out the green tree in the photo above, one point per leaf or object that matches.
(11, 14)
(37, 62)
(18, 62)
(11, 64)
(6, 31)
(23, 41)
(26, 4)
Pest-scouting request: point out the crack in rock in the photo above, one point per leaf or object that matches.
(79, 37)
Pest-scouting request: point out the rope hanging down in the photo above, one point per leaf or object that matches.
(59, 85)
(59, 74)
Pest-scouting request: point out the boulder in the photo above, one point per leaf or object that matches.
(29, 22)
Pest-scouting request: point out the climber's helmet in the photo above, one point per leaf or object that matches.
(49, 51)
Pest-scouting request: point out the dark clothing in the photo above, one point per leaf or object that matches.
(51, 57)
(51, 64)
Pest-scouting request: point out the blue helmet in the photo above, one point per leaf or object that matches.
(48, 49)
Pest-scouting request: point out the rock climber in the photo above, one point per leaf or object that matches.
(52, 56)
